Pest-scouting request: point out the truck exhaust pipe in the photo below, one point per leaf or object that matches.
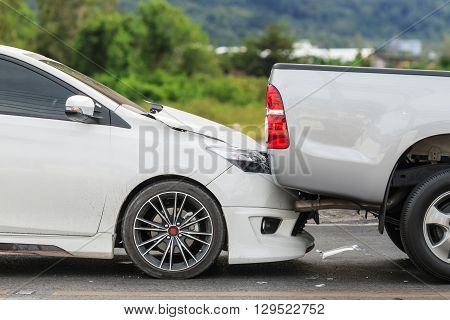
(325, 204)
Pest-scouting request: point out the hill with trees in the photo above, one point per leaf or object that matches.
(328, 23)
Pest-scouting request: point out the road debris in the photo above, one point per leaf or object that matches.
(329, 253)
(261, 282)
(330, 279)
(320, 285)
(25, 292)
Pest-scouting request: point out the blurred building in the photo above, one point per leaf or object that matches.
(399, 53)
(411, 47)
(235, 49)
(304, 48)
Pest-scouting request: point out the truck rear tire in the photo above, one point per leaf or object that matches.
(425, 225)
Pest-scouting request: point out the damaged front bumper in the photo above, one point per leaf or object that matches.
(247, 200)
(248, 244)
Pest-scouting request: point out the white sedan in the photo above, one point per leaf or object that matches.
(84, 171)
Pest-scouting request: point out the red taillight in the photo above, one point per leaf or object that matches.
(277, 136)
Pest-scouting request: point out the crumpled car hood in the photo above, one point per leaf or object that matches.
(186, 121)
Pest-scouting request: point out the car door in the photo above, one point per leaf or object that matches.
(53, 171)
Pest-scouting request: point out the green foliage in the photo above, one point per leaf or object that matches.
(163, 86)
(158, 36)
(264, 50)
(165, 33)
(61, 21)
(107, 43)
(199, 58)
(16, 28)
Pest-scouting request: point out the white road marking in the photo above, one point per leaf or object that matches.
(343, 225)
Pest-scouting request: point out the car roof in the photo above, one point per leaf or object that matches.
(16, 52)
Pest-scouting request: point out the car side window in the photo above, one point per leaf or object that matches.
(24, 92)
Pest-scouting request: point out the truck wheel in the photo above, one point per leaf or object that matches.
(425, 225)
(393, 232)
(173, 229)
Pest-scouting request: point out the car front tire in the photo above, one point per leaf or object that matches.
(173, 229)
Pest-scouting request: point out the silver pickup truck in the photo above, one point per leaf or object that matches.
(367, 139)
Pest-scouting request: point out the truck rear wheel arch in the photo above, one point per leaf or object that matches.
(423, 159)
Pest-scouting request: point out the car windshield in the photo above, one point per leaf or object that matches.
(113, 95)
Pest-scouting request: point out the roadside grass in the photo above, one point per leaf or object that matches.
(248, 118)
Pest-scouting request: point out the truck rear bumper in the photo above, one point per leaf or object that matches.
(247, 244)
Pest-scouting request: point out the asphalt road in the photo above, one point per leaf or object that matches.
(381, 271)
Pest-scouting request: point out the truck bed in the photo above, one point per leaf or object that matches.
(348, 127)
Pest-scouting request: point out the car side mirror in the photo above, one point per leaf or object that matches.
(79, 108)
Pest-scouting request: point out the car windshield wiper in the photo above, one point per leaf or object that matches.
(154, 107)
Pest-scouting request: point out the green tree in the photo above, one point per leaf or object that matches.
(16, 24)
(275, 45)
(165, 33)
(62, 20)
(106, 44)
(199, 58)
(158, 36)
